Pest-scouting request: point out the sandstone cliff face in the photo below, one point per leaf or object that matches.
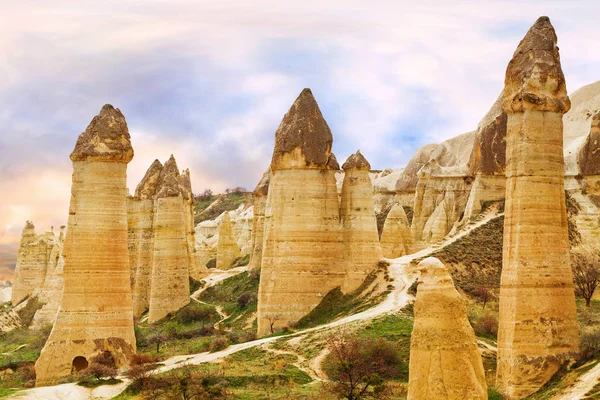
(538, 330)
(445, 362)
(171, 262)
(440, 199)
(96, 310)
(589, 154)
(227, 248)
(361, 248)
(259, 197)
(396, 238)
(302, 238)
(50, 293)
(32, 263)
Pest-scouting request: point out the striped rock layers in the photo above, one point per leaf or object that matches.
(302, 239)
(96, 312)
(171, 261)
(361, 248)
(227, 247)
(32, 263)
(396, 239)
(259, 197)
(538, 330)
(445, 362)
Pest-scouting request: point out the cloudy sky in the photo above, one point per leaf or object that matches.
(210, 80)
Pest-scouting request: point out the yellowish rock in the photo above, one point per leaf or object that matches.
(396, 239)
(259, 198)
(445, 362)
(362, 250)
(227, 247)
(96, 307)
(538, 330)
(302, 248)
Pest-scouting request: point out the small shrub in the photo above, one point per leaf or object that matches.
(487, 325)
(191, 313)
(245, 299)
(218, 343)
(589, 346)
(195, 285)
(141, 359)
(212, 263)
(412, 290)
(241, 261)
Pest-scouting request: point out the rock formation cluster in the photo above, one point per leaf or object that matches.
(161, 241)
(445, 362)
(96, 308)
(538, 330)
(303, 245)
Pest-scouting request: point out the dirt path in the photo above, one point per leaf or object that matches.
(582, 385)
(301, 362)
(317, 362)
(216, 276)
(218, 308)
(399, 270)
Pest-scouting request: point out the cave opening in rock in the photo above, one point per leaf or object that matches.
(79, 363)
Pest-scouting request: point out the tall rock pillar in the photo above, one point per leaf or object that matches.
(227, 247)
(362, 251)
(259, 197)
(538, 329)
(396, 238)
(445, 363)
(32, 263)
(302, 239)
(96, 312)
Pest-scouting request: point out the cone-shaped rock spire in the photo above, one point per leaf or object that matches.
(303, 129)
(356, 161)
(147, 186)
(534, 78)
(105, 139)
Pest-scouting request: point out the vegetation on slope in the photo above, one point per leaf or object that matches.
(209, 206)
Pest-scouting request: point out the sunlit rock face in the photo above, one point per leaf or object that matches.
(50, 293)
(259, 198)
(227, 247)
(538, 330)
(96, 307)
(396, 239)
(32, 263)
(445, 362)
(589, 153)
(302, 246)
(361, 248)
(171, 261)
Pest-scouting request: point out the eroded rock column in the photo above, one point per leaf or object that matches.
(538, 329)
(445, 362)
(259, 197)
(396, 238)
(302, 239)
(362, 251)
(96, 312)
(227, 247)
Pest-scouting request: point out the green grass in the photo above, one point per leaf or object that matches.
(99, 382)
(227, 293)
(336, 304)
(7, 392)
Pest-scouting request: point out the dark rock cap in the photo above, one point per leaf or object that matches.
(147, 186)
(304, 128)
(356, 161)
(105, 139)
(168, 180)
(534, 77)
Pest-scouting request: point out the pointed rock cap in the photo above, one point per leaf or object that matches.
(262, 189)
(105, 139)
(356, 161)
(303, 139)
(433, 272)
(168, 180)
(185, 182)
(332, 163)
(534, 77)
(28, 225)
(147, 187)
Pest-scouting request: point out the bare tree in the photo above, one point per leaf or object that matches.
(585, 263)
(273, 318)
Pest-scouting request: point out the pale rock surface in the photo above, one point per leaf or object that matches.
(396, 238)
(259, 198)
(32, 263)
(589, 154)
(445, 362)
(227, 248)
(96, 307)
(302, 239)
(538, 330)
(362, 250)
(171, 262)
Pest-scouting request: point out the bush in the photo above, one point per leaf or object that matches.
(141, 359)
(185, 383)
(487, 325)
(195, 285)
(589, 346)
(192, 313)
(212, 263)
(218, 343)
(241, 261)
(245, 299)
(412, 289)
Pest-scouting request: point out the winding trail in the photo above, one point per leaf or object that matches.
(582, 385)
(399, 270)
